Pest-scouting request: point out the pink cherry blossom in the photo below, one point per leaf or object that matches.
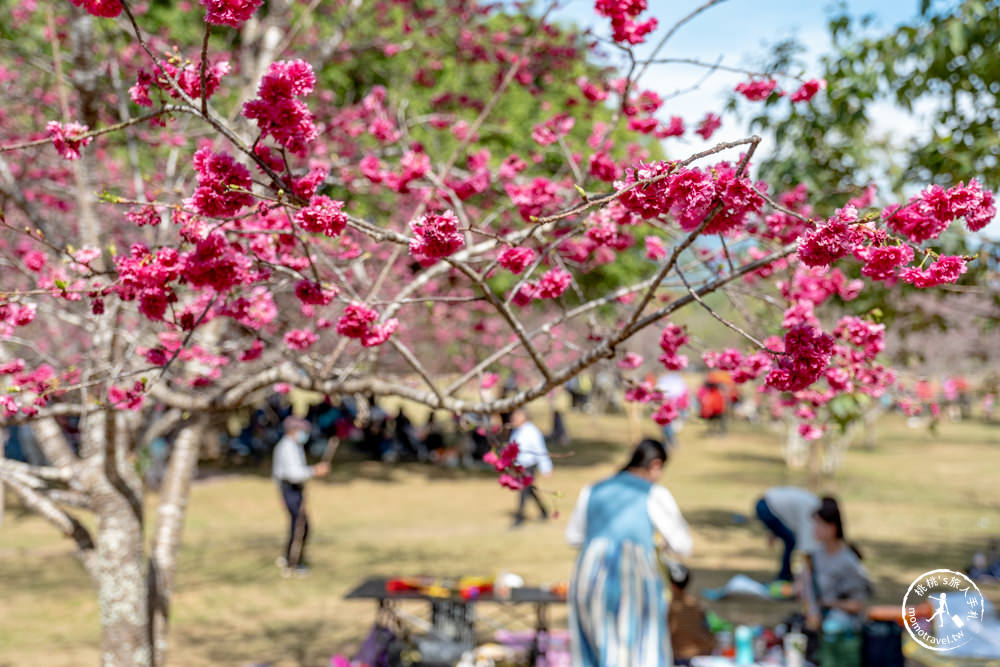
(230, 12)
(517, 259)
(278, 111)
(436, 236)
(630, 361)
(929, 213)
(758, 89)
(223, 184)
(643, 392)
(553, 283)
(311, 293)
(807, 354)
(947, 269)
(300, 339)
(810, 431)
(882, 263)
(67, 137)
(102, 8)
(127, 399)
(666, 413)
(654, 248)
(838, 237)
(808, 90)
(672, 338)
(322, 216)
(708, 125)
(624, 28)
(674, 128)
(727, 360)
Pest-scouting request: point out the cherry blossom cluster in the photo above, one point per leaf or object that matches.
(945, 269)
(186, 76)
(690, 195)
(15, 315)
(805, 356)
(102, 8)
(67, 138)
(279, 112)
(322, 216)
(359, 322)
(436, 236)
(131, 398)
(550, 285)
(223, 184)
(517, 259)
(623, 14)
(671, 340)
(929, 213)
(512, 476)
(230, 12)
(759, 89)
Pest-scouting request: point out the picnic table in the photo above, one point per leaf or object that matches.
(454, 617)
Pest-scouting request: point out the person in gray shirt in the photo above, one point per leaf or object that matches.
(290, 471)
(836, 587)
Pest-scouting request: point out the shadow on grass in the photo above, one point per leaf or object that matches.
(297, 641)
(711, 517)
(50, 574)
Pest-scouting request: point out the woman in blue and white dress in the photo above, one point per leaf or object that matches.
(617, 604)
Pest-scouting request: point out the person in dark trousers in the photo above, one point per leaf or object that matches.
(290, 471)
(787, 513)
(533, 456)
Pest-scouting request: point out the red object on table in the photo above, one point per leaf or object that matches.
(405, 584)
(473, 592)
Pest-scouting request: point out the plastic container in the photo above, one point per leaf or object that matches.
(724, 644)
(795, 649)
(744, 646)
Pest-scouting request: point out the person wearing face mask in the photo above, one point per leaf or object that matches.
(290, 471)
(617, 604)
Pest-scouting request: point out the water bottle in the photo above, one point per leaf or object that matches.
(744, 645)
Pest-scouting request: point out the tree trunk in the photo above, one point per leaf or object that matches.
(121, 584)
(167, 538)
(126, 637)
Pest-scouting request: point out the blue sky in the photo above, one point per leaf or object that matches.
(739, 32)
(743, 25)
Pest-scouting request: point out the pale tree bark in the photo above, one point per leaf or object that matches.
(120, 572)
(169, 525)
(53, 443)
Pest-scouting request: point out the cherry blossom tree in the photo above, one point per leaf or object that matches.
(205, 204)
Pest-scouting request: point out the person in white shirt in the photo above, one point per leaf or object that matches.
(533, 456)
(290, 471)
(787, 512)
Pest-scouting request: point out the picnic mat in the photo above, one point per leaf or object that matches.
(741, 584)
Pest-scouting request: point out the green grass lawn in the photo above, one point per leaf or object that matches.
(914, 503)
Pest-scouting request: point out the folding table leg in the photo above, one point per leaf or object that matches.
(541, 628)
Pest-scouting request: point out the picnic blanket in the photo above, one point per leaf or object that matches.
(741, 584)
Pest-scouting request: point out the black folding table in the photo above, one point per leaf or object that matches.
(454, 617)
